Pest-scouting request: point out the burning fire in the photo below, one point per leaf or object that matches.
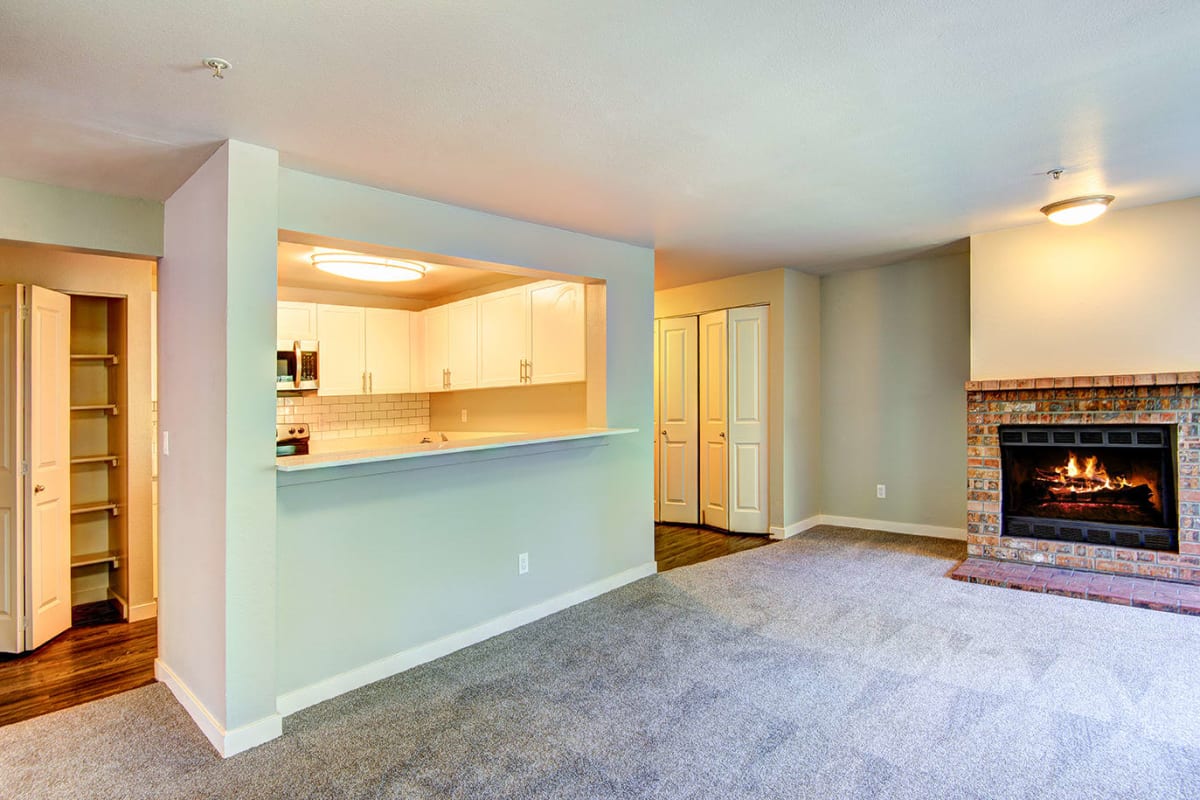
(1091, 477)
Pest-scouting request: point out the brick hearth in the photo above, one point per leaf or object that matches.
(1162, 399)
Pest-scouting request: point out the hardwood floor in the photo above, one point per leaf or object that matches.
(93, 659)
(680, 545)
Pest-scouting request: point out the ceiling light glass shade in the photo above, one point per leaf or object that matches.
(368, 268)
(1077, 210)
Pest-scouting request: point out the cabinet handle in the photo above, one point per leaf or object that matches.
(522, 370)
(371, 383)
(529, 372)
(364, 383)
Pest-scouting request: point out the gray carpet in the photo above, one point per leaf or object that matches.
(838, 664)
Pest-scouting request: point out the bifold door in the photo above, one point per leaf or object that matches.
(714, 422)
(12, 550)
(48, 485)
(35, 510)
(748, 462)
(678, 495)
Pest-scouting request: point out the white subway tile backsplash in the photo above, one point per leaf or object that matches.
(360, 415)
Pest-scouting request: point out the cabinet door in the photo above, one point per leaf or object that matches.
(296, 321)
(387, 333)
(436, 347)
(557, 332)
(463, 343)
(502, 337)
(340, 330)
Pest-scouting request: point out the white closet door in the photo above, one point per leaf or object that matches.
(12, 571)
(343, 350)
(714, 392)
(387, 342)
(48, 488)
(657, 428)
(678, 431)
(748, 511)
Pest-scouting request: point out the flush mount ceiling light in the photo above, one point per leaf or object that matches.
(1077, 210)
(368, 268)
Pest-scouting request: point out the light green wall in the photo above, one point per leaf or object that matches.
(44, 214)
(895, 353)
(250, 556)
(217, 556)
(802, 397)
(372, 566)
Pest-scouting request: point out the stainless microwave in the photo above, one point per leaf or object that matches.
(297, 366)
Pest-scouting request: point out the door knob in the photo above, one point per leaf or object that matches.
(664, 433)
(38, 488)
(721, 434)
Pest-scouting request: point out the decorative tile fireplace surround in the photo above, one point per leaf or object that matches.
(1171, 400)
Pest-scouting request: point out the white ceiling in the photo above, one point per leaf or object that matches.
(731, 136)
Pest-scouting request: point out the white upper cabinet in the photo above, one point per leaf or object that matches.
(533, 334)
(342, 334)
(296, 321)
(364, 350)
(388, 355)
(503, 337)
(451, 346)
(436, 341)
(557, 333)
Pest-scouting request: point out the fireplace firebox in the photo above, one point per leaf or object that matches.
(1099, 484)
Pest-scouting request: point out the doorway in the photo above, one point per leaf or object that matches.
(77, 615)
(710, 407)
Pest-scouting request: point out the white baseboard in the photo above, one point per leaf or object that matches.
(122, 602)
(227, 743)
(293, 701)
(913, 528)
(143, 611)
(795, 527)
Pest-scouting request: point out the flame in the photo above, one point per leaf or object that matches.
(1092, 477)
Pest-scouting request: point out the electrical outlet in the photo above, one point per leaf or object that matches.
(880, 490)
(523, 563)
(464, 415)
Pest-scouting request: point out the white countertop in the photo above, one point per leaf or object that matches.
(346, 452)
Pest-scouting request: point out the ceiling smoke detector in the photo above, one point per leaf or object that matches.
(217, 65)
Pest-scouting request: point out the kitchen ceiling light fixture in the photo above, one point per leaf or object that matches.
(369, 268)
(1077, 210)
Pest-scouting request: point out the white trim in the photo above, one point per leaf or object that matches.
(227, 743)
(143, 611)
(796, 527)
(913, 528)
(293, 701)
(121, 602)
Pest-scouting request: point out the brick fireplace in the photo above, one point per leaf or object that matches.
(1088, 407)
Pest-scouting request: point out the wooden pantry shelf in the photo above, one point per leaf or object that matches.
(111, 358)
(111, 407)
(96, 459)
(87, 508)
(88, 559)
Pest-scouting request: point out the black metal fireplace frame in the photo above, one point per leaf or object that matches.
(1151, 437)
